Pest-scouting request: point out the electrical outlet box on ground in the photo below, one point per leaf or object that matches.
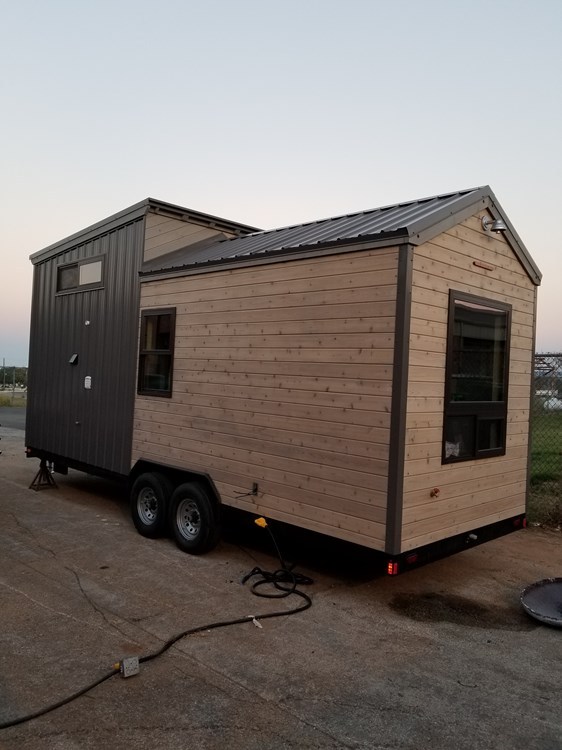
(129, 666)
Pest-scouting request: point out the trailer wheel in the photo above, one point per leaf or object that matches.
(194, 519)
(150, 498)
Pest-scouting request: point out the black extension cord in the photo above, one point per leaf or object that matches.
(284, 581)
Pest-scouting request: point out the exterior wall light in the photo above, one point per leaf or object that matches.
(493, 225)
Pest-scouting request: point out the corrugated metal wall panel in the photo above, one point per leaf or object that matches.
(90, 426)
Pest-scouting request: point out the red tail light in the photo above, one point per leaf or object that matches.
(392, 568)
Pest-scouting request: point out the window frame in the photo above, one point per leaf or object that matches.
(77, 264)
(143, 353)
(480, 411)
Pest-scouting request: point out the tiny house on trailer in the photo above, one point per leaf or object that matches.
(366, 376)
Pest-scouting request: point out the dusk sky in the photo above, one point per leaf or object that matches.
(273, 113)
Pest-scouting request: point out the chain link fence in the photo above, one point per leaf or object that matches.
(546, 456)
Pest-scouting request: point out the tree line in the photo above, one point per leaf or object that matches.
(11, 375)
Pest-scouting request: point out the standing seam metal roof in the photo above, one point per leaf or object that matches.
(400, 222)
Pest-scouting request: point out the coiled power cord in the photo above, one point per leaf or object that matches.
(284, 582)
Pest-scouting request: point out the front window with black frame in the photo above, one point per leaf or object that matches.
(476, 378)
(156, 352)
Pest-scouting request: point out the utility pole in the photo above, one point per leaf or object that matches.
(4, 373)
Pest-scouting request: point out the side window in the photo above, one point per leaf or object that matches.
(476, 378)
(86, 274)
(156, 352)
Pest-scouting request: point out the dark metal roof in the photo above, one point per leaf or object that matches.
(414, 221)
(134, 213)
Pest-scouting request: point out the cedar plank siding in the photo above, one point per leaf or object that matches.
(165, 234)
(472, 493)
(282, 376)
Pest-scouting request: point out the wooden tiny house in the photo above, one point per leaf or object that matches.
(366, 376)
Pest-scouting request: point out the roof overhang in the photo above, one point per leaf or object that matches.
(467, 206)
(135, 213)
(423, 220)
(390, 240)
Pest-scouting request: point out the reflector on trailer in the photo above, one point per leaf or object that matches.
(392, 568)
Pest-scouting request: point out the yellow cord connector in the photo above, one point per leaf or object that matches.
(127, 667)
(261, 522)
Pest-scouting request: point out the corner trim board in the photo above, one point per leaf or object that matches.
(397, 452)
(531, 404)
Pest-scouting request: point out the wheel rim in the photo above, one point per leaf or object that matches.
(147, 506)
(188, 519)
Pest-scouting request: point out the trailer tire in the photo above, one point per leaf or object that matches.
(150, 498)
(194, 518)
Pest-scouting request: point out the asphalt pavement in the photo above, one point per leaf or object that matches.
(442, 657)
(13, 417)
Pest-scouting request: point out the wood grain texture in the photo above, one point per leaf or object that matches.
(472, 493)
(283, 377)
(164, 234)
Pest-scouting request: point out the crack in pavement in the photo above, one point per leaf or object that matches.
(99, 610)
(32, 535)
(50, 609)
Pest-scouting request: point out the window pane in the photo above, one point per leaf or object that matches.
(157, 332)
(163, 332)
(478, 357)
(90, 273)
(149, 335)
(155, 372)
(67, 278)
(156, 353)
(459, 437)
(490, 434)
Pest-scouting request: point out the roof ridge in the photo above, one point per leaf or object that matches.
(363, 212)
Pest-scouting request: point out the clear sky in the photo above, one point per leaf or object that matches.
(272, 113)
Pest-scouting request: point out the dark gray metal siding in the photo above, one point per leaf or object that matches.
(92, 427)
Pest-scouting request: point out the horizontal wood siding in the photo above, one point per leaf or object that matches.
(283, 377)
(165, 234)
(472, 493)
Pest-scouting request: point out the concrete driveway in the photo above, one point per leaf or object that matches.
(439, 658)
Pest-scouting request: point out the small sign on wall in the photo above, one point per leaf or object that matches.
(88, 382)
